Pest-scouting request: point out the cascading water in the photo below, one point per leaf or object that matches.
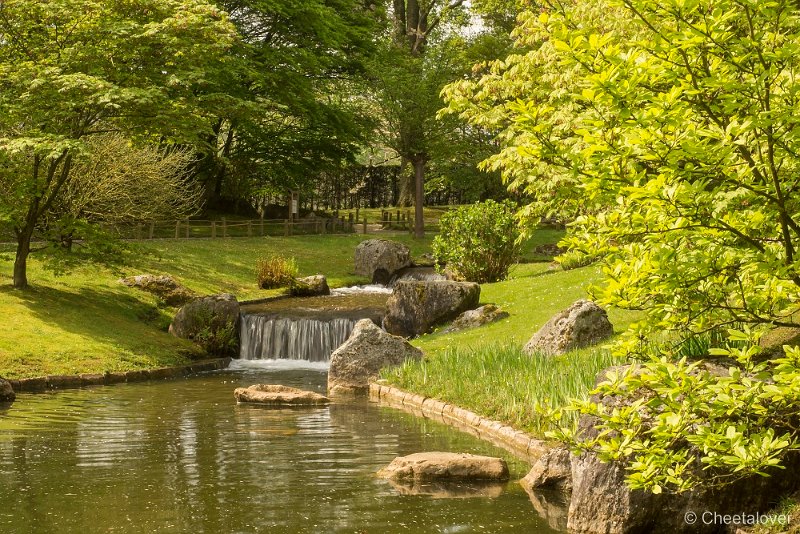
(308, 328)
(293, 338)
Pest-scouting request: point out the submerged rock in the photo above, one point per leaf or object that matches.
(416, 307)
(444, 489)
(581, 325)
(477, 317)
(164, 287)
(380, 259)
(432, 466)
(361, 358)
(277, 395)
(310, 286)
(6, 391)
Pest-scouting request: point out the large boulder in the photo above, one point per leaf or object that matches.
(380, 259)
(416, 307)
(164, 287)
(581, 325)
(602, 503)
(310, 286)
(360, 359)
(433, 466)
(212, 320)
(6, 391)
(477, 317)
(277, 395)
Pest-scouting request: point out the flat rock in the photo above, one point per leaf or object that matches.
(583, 324)
(277, 395)
(164, 287)
(477, 317)
(432, 466)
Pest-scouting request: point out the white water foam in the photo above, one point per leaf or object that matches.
(277, 365)
(354, 290)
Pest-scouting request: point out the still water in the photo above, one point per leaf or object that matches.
(182, 456)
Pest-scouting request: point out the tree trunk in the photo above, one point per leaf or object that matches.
(21, 261)
(419, 197)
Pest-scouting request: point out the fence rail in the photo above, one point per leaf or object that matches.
(222, 228)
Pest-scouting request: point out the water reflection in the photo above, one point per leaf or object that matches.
(181, 456)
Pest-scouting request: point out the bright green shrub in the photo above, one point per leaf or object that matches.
(275, 271)
(478, 242)
(680, 425)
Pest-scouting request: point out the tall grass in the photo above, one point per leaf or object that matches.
(503, 383)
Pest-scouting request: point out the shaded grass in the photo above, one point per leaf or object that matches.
(503, 383)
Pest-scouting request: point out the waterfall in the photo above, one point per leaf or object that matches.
(294, 338)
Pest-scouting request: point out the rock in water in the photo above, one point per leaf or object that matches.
(416, 307)
(380, 259)
(552, 471)
(477, 317)
(582, 324)
(6, 391)
(164, 287)
(277, 395)
(310, 286)
(208, 316)
(360, 359)
(431, 466)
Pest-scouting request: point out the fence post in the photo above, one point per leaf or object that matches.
(177, 229)
(261, 225)
(224, 228)
(152, 229)
(213, 229)
(365, 225)
(249, 228)
(286, 228)
(187, 228)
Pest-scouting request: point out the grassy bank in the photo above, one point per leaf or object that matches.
(485, 370)
(87, 322)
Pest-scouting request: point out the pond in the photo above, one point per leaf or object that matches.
(182, 456)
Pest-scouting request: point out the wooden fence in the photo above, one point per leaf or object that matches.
(222, 228)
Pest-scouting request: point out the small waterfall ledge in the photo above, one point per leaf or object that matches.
(307, 328)
(292, 338)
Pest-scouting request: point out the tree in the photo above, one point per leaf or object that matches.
(670, 130)
(71, 69)
(285, 112)
(433, 43)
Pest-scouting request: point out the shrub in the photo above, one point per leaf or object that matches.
(478, 242)
(575, 258)
(275, 271)
(681, 425)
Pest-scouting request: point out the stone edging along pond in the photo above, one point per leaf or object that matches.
(48, 383)
(519, 443)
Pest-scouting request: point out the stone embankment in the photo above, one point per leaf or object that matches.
(47, 383)
(519, 443)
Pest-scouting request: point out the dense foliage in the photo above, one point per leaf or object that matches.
(680, 424)
(478, 242)
(72, 69)
(669, 129)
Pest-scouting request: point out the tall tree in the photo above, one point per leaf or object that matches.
(289, 111)
(70, 69)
